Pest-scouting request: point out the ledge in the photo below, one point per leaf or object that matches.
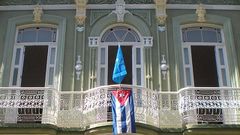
(33, 128)
(212, 129)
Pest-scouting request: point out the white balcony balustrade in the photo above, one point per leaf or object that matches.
(93, 107)
(28, 105)
(81, 109)
(210, 105)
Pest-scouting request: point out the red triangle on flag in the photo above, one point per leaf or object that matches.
(121, 95)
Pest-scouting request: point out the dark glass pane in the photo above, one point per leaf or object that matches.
(138, 56)
(186, 56)
(120, 34)
(209, 36)
(130, 38)
(19, 38)
(219, 36)
(184, 35)
(139, 72)
(15, 74)
(102, 76)
(194, 36)
(111, 38)
(29, 35)
(103, 55)
(44, 35)
(17, 58)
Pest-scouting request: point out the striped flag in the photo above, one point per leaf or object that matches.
(123, 112)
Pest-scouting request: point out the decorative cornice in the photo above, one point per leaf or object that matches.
(51, 2)
(112, 6)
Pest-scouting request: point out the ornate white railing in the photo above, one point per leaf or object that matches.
(216, 105)
(28, 104)
(80, 109)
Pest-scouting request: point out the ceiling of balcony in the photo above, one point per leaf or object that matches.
(33, 2)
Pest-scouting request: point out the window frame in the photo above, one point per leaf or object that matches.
(135, 46)
(216, 45)
(22, 46)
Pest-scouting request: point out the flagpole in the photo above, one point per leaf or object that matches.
(119, 46)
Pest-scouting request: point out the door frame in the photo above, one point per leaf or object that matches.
(134, 66)
(217, 46)
(51, 45)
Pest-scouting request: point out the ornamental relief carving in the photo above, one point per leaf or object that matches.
(45, 2)
(37, 14)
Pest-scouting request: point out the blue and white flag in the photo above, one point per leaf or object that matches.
(119, 71)
(123, 112)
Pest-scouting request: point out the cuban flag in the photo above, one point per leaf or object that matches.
(123, 112)
(119, 71)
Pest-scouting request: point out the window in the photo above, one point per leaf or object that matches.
(120, 34)
(37, 34)
(132, 52)
(204, 47)
(34, 57)
(201, 34)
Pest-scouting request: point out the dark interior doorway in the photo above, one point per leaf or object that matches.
(34, 67)
(127, 54)
(204, 66)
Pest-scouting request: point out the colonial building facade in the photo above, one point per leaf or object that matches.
(57, 59)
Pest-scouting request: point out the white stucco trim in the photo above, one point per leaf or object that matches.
(112, 6)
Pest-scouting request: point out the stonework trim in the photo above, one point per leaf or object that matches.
(112, 6)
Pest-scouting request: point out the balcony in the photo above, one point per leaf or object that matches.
(91, 108)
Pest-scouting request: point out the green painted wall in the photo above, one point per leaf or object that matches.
(163, 42)
(227, 19)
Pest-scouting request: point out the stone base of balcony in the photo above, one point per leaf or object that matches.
(28, 129)
(100, 129)
(212, 129)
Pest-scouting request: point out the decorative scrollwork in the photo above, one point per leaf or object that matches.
(209, 105)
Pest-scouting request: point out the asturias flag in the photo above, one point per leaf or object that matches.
(119, 71)
(123, 112)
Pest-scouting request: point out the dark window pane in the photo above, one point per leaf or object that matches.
(120, 34)
(194, 36)
(209, 36)
(44, 35)
(111, 38)
(29, 35)
(130, 38)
